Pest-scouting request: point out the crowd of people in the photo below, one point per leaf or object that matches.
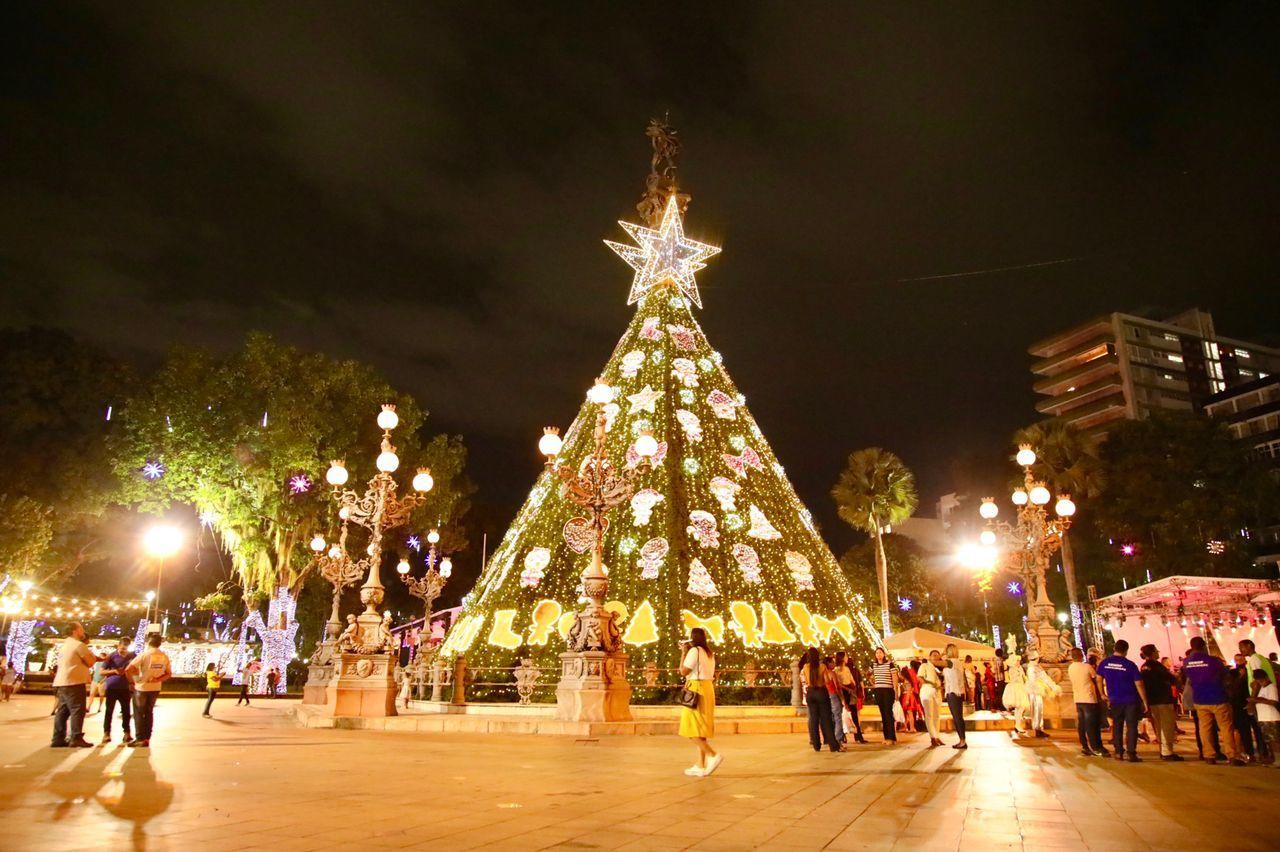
(1235, 710)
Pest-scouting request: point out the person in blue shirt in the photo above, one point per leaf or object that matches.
(1128, 699)
(117, 690)
(1207, 675)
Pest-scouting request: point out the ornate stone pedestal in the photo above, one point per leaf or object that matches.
(593, 687)
(363, 685)
(319, 673)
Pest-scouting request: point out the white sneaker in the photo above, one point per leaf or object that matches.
(695, 771)
(714, 764)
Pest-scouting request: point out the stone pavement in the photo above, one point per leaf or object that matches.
(249, 779)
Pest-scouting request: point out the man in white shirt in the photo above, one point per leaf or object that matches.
(953, 679)
(71, 683)
(148, 670)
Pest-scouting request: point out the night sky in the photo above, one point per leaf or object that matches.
(907, 196)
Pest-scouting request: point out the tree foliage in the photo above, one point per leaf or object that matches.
(233, 433)
(875, 490)
(1177, 482)
(54, 396)
(912, 578)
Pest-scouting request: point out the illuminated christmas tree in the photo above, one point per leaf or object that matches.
(713, 536)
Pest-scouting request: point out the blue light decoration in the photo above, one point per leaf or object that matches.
(299, 483)
(153, 470)
(905, 604)
(414, 543)
(1014, 587)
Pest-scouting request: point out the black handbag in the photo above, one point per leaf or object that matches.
(688, 697)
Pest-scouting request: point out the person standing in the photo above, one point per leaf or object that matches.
(97, 692)
(998, 673)
(930, 675)
(1238, 696)
(988, 687)
(1207, 676)
(1040, 687)
(971, 683)
(1084, 685)
(1128, 697)
(1253, 662)
(699, 723)
(884, 686)
(953, 680)
(149, 671)
(273, 682)
(817, 700)
(8, 679)
(1160, 684)
(212, 683)
(117, 690)
(246, 675)
(850, 681)
(1266, 704)
(71, 684)
(833, 698)
(909, 696)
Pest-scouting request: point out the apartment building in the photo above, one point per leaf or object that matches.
(1123, 366)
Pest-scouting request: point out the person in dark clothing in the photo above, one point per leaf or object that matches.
(1160, 684)
(816, 678)
(118, 691)
(1238, 697)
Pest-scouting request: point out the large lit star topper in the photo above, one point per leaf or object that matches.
(664, 255)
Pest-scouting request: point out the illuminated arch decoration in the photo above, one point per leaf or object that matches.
(775, 629)
(643, 628)
(543, 621)
(745, 623)
(714, 625)
(500, 633)
(803, 620)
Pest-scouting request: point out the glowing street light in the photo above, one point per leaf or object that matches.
(160, 542)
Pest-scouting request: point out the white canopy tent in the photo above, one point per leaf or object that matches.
(1169, 612)
(918, 642)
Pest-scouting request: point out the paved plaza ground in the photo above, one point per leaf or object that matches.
(250, 779)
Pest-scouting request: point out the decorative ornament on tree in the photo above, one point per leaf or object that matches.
(760, 526)
(726, 493)
(642, 506)
(646, 399)
(610, 410)
(739, 463)
(748, 562)
(690, 424)
(702, 526)
(685, 372)
(722, 405)
(683, 337)
(651, 555)
(631, 363)
(535, 564)
(634, 458)
(700, 582)
(801, 570)
(650, 329)
(579, 535)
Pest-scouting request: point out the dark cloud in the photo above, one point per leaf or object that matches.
(425, 187)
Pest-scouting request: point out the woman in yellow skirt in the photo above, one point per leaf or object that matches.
(699, 669)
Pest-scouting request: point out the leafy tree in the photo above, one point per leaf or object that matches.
(912, 577)
(54, 397)
(234, 434)
(1068, 462)
(1176, 483)
(874, 491)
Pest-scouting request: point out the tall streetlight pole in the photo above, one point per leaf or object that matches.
(1034, 539)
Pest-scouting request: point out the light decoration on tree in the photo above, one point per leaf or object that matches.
(668, 568)
(1014, 588)
(905, 604)
(299, 483)
(278, 635)
(20, 643)
(153, 470)
(139, 636)
(414, 543)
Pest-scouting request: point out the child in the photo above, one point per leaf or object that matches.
(1266, 703)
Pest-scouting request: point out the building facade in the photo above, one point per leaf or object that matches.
(1123, 366)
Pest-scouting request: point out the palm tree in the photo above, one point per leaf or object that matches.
(875, 491)
(1069, 463)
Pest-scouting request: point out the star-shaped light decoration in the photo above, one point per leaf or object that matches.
(299, 483)
(645, 399)
(153, 470)
(664, 255)
(1014, 587)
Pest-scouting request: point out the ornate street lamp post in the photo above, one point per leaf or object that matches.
(364, 684)
(428, 587)
(1028, 546)
(593, 683)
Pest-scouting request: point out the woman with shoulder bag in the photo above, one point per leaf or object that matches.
(698, 702)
